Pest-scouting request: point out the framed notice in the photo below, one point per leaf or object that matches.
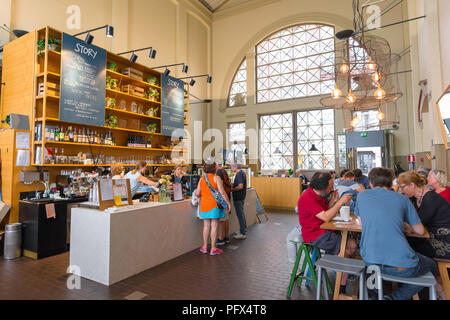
(172, 106)
(83, 82)
(115, 192)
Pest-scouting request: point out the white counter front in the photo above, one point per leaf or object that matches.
(110, 247)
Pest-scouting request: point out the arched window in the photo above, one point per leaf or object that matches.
(295, 62)
(238, 90)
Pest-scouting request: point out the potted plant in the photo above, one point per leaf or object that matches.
(152, 81)
(151, 127)
(54, 44)
(152, 112)
(110, 102)
(112, 66)
(111, 121)
(111, 83)
(153, 94)
(7, 120)
(41, 46)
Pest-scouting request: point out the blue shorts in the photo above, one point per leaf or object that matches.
(215, 213)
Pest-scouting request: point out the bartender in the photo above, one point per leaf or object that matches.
(177, 174)
(137, 177)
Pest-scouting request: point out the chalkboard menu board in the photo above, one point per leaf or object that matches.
(83, 72)
(172, 106)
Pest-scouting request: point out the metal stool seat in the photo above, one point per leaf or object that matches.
(351, 266)
(427, 280)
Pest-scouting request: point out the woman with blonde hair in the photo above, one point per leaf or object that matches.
(137, 177)
(438, 180)
(210, 212)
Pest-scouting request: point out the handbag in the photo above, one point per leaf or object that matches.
(221, 203)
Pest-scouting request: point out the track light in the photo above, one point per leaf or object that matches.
(152, 54)
(192, 83)
(208, 80)
(110, 31)
(89, 39)
(185, 68)
(133, 58)
(166, 72)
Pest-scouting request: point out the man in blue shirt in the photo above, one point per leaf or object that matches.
(382, 213)
(239, 191)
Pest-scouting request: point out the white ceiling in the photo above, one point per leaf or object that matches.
(212, 5)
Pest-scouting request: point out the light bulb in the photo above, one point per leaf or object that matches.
(336, 94)
(376, 77)
(380, 93)
(351, 98)
(354, 123)
(371, 65)
(380, 115)
(345, 68)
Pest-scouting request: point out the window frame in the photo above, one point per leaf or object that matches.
(319, 25)
(232, 82)
(295, 136)
(229, 142)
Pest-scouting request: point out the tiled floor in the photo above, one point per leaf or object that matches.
(256, 268)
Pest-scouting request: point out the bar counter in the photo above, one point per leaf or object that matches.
(108, 247)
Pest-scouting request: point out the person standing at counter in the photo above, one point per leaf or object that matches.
(117, 171)
(177, 174)
(210, 212)
(137, 178)
(224, 223)
(239, 191)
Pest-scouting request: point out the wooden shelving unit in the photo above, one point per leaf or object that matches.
(46, 110)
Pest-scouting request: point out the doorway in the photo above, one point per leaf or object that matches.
(369, 158)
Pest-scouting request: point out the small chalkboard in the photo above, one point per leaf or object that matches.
(119, 188)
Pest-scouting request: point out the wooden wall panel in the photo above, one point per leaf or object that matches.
(278, 192)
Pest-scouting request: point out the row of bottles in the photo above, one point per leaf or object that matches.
(79, 136)
(138, 142)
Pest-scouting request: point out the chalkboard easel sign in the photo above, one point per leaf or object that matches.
(172, 106)
(83, 82)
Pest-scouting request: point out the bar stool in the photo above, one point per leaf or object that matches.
(426, 280)
(338, 264)
(444, 266)
(310, 254)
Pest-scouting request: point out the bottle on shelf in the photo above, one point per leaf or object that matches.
(70, 134)
(56, 134)
(56, 156)
(66, 135)
(61, 134)
(75, 135)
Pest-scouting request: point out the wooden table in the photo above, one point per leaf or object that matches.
(344, 228)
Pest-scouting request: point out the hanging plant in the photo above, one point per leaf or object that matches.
(54, 44)
(41, 47)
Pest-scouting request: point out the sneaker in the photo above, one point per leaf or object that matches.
(215, 252)
(240, 236)
(220, 242)
(226, 239)
(387, 297)
(204, 250)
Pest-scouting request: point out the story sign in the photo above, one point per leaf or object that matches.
(83, 82)
(172, 106)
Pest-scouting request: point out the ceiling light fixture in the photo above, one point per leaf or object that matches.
(337, 93)
(351, 98)
(354, 123)
(134, 57)
(313, 148)
(380, 115)
(90, 38)
(380, 94)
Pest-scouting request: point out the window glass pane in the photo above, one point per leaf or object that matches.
(295, 62)
(236, 142)
(368, 120)
(238, 90)
(316, 127)
(277, 144)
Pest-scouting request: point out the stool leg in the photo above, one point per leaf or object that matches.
(380, 287)
(433, 295)
(319, 282)
(313, 260)
(325, 291)
(361, 286)
(304, 249)
(311, 268)
(294, 272)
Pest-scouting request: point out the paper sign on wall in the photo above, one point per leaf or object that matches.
(22, 140)
(50, 210)
(23, 158)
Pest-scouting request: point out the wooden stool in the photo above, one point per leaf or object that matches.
(444, 266)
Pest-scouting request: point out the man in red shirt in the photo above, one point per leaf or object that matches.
(315, 208)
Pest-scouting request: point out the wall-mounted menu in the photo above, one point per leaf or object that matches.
(83, 73)
(172, 106)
